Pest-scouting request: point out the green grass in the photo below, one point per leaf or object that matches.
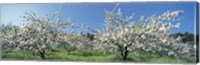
(88, 55)
(19, 55)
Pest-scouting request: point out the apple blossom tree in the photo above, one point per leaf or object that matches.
(6, 31)
(149, 34)
(42, 33)
(8, 38)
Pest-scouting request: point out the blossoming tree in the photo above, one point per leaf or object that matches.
(41, 34)
(7, 39)
(149, 34)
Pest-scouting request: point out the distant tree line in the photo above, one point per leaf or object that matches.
(187, 37)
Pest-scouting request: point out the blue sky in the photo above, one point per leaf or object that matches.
(93, 14)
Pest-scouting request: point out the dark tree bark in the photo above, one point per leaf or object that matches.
(42, 52)
(124, 52)
(42, 55)
(69, 52)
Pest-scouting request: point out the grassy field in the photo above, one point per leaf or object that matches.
(86, 55)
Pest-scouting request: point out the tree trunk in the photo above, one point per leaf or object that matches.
(42, 55)
(69, 52)
(124, 53)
